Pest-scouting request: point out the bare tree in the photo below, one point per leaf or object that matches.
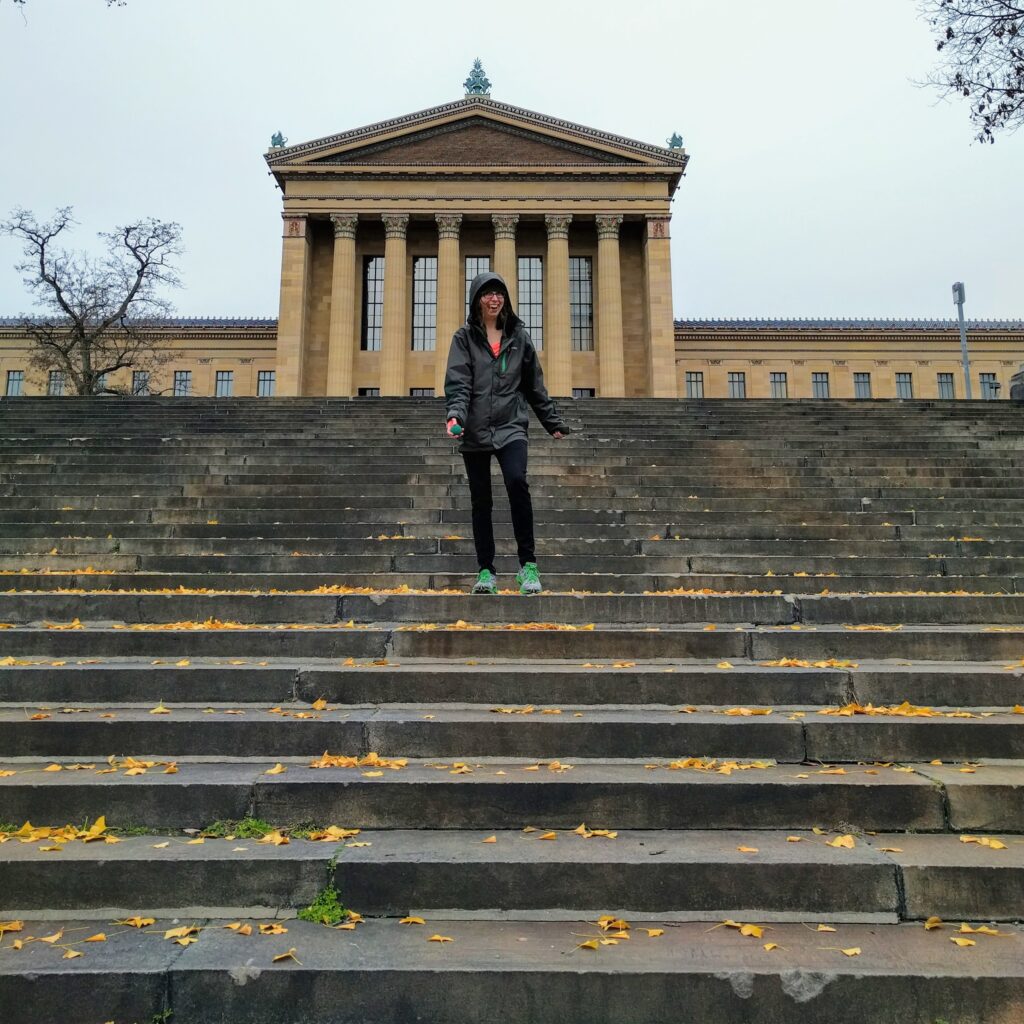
(98, 313)
(981, 43)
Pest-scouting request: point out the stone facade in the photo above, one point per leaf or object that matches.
(586, 212)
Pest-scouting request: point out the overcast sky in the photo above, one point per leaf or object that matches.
(822, 181)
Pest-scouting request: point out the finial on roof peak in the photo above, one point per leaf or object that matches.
(478, 84)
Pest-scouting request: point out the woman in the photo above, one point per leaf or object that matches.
(493, 375)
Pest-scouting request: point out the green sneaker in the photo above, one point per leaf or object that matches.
(529, 579)
(486, 583)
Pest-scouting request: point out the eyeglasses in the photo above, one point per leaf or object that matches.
(491, 291)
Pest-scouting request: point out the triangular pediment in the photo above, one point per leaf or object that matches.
(475, 141)
(476, 131)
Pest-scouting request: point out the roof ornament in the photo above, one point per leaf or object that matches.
(675, 141)
(278, 140)
(478, 84)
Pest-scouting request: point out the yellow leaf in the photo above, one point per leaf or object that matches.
(489, 839)
(373, 775)
(159, 709)
(319, 704)
(137, 922)
(825, 928)
(440, 938)
(278, 769)
(548, 835)
(186, 940)
(589, 944)
(844, 842)
(412, 920)
(723, 664)
(272, 929)
(982, 929)
(98, 937)
(752, 931)
(962, 942)
(932, 923)
(654, 932)
(52, 938)
(180, 933)
(196, 842)
(289, 955)
(852, 951)
(794, 839)
(274, 838)
(769, 946)
(70, 954)
(747, 849)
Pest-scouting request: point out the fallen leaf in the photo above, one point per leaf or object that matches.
(852, 951)
(489, 839)
(137, 922)
(548, 835)
(825, 928)
(70, 954)
(932, 923)
(278, 769)
(589, 944)
(98, 937)
(962, 942)
(654, 932)
(440, 938)
(843, 842)
(748, 849)
(272, 929)
(769, 946)
(412, 920)
(289, 955)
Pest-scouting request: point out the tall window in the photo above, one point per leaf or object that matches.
(531, 297)
(862, 385)
(55, 384)
(475, 265)
(421, 392)
(737, 384)
(266, 382)
(101, 383)
(373, 303)
(424, 303)
(779, 384)
(225, 383)
(140, 382)
(904, 385)
(989, 385)
(819, 385)
(368, 393)
(182, 383)
(947, 385)
(694, 384)
(581, 304)
(15, 382)
(584, 393)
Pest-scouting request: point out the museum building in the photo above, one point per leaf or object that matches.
(385, 226)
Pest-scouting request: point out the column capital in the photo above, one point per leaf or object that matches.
(505, 224)
(294, 225)
(558, 224)
(448, 224)
(345, 224)
(657, 227)
(608, 225)
(395, 224)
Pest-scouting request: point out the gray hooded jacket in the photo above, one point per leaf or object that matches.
(490, 395)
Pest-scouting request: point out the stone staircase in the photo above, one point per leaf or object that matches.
(200, 598)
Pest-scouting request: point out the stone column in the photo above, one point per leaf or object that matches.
(611, 371)
(505, 261)
(291, 317)
(344, 288)
(557, 347)
(661, 366)
(394, 341)
(450, 291)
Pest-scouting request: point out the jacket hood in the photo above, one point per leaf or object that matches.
(477, 286)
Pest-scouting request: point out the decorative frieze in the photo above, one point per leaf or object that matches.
(294, 225)
(657, 227)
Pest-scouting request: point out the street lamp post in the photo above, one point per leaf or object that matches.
(958, 298)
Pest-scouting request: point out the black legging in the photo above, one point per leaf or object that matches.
(512, 459)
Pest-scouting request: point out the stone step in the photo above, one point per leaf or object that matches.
(233, 681)
(790, 735)
(497, 971)
(767, 876)
(526, 640)
(556, 583)
(513, 793)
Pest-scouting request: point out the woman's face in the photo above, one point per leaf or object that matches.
(492, 301)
